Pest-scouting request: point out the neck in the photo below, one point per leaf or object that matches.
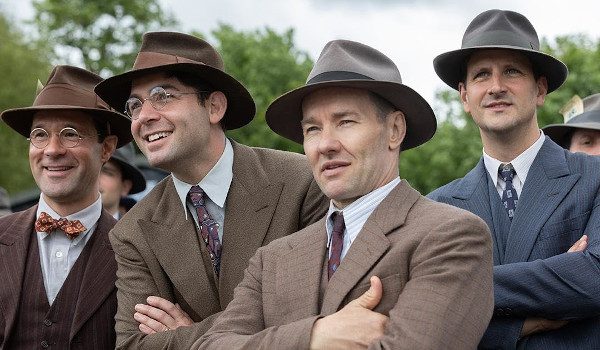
(507, 146)
(69, 207)
(194, 170)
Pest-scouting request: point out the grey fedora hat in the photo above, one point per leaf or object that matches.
(345, 63)
(498, 29)
(125, 157)
(585, 115)
(179, 52)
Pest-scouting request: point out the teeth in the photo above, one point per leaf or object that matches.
(160, 135)
(57, 168)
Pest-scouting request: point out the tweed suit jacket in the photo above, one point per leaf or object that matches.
(433, 261)
(93, 321)
(533, 274)
(272, 194)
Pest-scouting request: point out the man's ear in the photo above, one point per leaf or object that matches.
(397, 127)
(216, 105)
(109, 145)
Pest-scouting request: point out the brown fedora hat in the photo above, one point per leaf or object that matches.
(583, 115)
(178, 52)
(125, 158)
(498, 29)
(70, 88)
(345, 63)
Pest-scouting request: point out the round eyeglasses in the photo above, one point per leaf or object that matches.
(158, 100)
(68, 137)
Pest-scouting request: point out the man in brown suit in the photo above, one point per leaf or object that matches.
(58, 271)
(183, 248)
(386, 268)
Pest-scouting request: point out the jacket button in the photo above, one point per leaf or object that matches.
(44, 344)
(47, 323)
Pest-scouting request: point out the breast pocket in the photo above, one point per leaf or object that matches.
(557, 237)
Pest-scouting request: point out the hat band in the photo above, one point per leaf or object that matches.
(585, 117)
(500, 38)
(336, 75)
(148, 59)
(68, 95)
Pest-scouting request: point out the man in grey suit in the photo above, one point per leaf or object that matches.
(57, 269)
(537, 198)
(386, 268)
(183, 248)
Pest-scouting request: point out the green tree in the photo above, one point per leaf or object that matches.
(26, 61)
(456, 146)
(268, 64)
(103, 35)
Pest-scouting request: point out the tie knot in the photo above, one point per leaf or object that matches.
(196, 195)
(507, 172)
(338, 222)
(45, 223)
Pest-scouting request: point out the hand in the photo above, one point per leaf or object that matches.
(354, 326)
(580, 245)
(160, 315)
(538, 324)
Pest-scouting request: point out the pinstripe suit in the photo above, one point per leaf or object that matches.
(533, 274)
(94, 309)
(433, 261)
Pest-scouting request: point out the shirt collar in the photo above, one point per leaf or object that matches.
(357, 212)
(88, 216)
(522, 163)
(215, 184)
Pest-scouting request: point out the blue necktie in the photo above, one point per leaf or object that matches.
(509, 195)
(208, 227)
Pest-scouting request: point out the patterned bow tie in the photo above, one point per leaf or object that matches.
(45, 223)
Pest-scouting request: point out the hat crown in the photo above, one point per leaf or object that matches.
(590, 112)
(70, 86)
(350, 60)
(498, 27)
(161, 48)
(125, 154)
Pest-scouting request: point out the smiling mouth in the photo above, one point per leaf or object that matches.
(57, 168)
(158, 136)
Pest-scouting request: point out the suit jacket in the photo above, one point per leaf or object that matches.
(433, 261)
(272, 194)
(97, 295)
(533, 274)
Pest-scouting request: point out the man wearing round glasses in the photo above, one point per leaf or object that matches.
(56, 265)
(184, 247)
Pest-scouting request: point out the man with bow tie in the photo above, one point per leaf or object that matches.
(56, 264)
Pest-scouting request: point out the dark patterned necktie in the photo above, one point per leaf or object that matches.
(509, 195)
(45, 223)
(337, 242)
(208, 227)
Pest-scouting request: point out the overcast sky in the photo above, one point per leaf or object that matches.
(410, 32)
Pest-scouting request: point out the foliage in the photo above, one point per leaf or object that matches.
(456, 147)
(26, 62)
(268, 65)
(101, 35)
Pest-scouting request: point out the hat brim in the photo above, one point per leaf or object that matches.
(240, 106)
(285, 113)
(20, 119)
(132, 173)
(558, 132)
(448, 66)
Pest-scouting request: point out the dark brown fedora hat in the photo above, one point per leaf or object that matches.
(583, 115)
(178, 52)
(125, 158)
(345, 63)
(498, 29)
(70, 88)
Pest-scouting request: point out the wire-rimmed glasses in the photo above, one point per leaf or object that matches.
(68, 137)
(158, 100)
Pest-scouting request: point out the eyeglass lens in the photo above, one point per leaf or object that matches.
(68, 137)
(158, 99)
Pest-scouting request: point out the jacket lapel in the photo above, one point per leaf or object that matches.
(370, 244)
(187, 272)
(14, 241)
(251, 202)
(547, 183)
(299, 274)
(99, 277)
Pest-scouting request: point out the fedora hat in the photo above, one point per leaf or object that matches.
(345, 63)
(578, 114)
(125, 158)
(178, 52)
(498, 29)
(70, 88)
